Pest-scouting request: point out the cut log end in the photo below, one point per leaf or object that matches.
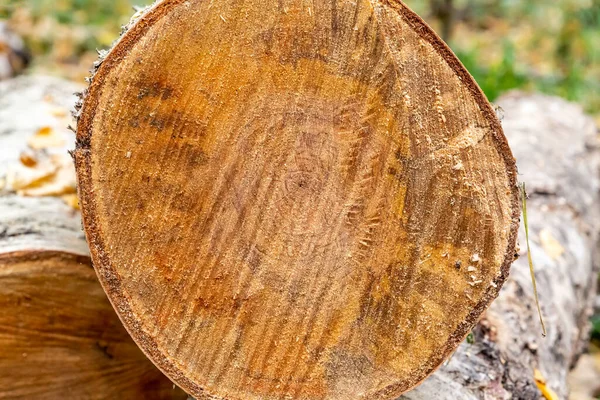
(291, 201)
(60, 336)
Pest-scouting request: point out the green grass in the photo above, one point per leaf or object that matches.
(596, 328)
(75, 12)
(496, 79)
(552, 47)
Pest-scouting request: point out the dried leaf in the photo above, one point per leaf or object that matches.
(46, 137)
(19, 177)
(551, 246)
(28, 159)
(51, 176)
(59, 183)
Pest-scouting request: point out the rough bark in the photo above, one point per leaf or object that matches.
(294, 200)
(558, 156)
(59, 335)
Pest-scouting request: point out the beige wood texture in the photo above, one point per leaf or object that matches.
(60, 338)
(59, 335)
(293, 199)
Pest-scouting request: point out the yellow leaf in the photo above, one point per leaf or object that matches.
(61, 182)
(28, 159)
(46, 137)
(50, 176)
(23, 178)
(44, 131)
(540, 381)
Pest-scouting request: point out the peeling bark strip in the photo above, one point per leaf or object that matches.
(293, 200)
(59, 335)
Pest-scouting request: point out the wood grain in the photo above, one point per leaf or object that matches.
(563, 204)
(304, 200)
(59, 335)
(60, 338)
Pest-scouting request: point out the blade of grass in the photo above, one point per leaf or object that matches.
(535, 291)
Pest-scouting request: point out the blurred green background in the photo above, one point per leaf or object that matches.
(549, 46)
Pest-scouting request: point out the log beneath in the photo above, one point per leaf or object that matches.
(59, 335)
(294, 200)
(558, 153)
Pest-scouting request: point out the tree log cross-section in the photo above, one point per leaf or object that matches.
(292, 199)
